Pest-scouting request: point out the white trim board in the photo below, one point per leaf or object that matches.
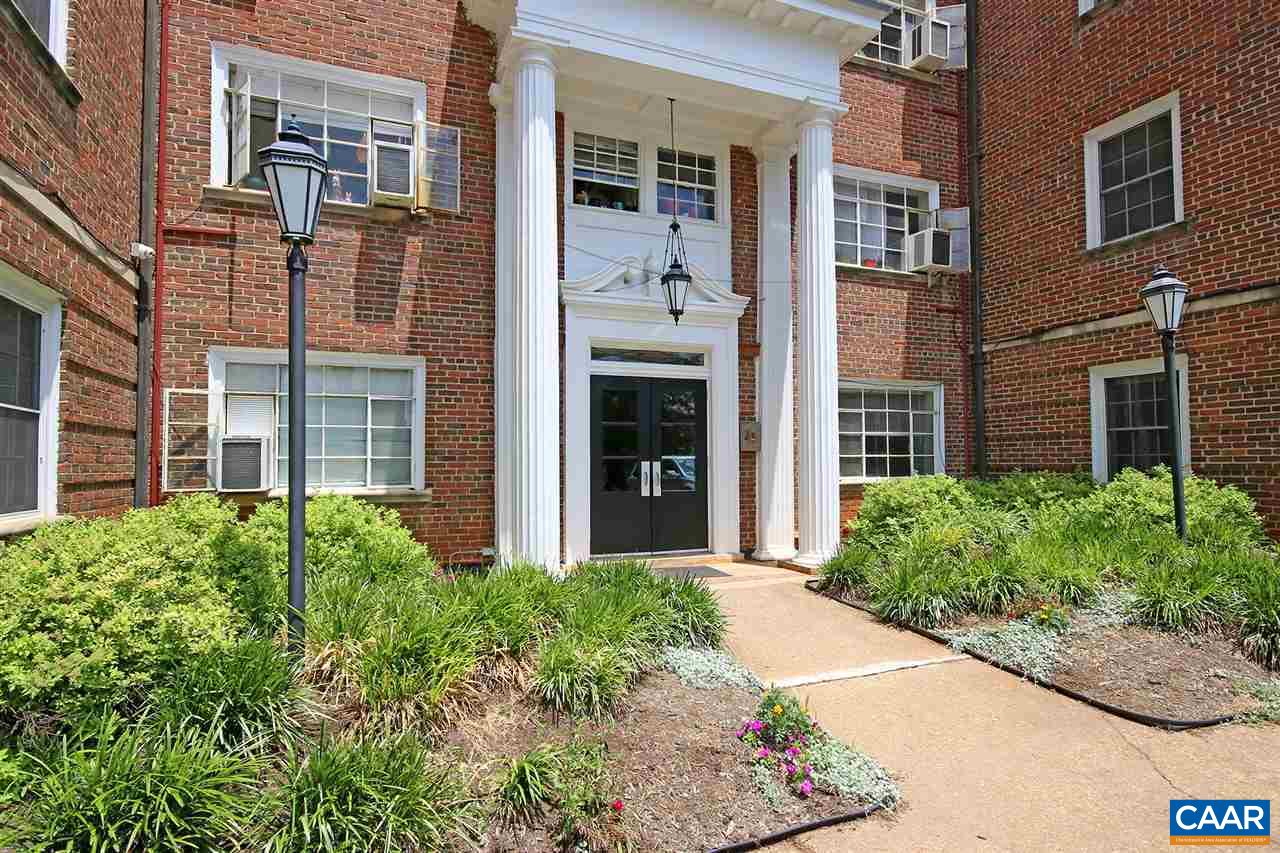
(33, 296)
(1170, 103)
(1098, 376)
(840, 170)
(219, 356)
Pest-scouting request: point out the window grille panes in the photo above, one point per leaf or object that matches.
(20, 331)
(887, 432)
(606, 172)
(441, 169)
(890, 45)
(1137, 423)
(873, 221)
(346, 125)
(686, 184)
(359, 421)
(1137, 179)
(39, 13)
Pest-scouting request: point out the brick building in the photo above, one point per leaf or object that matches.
(490, 350)
(1153, 140)
(70, 162)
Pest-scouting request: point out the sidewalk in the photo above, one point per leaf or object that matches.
(986, 761)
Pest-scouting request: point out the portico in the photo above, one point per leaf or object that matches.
(762, 74)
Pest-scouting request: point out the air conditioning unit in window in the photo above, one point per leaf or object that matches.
(244, 463)
(930, 251)
(929, 44)
(393, 157)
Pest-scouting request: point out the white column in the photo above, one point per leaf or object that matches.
(503, 414)
(775, 463)
(535, 397)
(819, 443)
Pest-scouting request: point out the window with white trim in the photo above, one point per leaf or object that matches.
(606, 172)
(363, 417)
(48, 18)
(29, 334)
(1133, 173)
(687, 184)
(890, 430)
(1130, 413)
(890, 44)
(874, 219)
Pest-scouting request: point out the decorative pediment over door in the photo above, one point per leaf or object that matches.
(629, 288)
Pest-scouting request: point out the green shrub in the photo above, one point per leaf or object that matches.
(132, 788)
(891, 509)
(246, 695)
(635, 621)
(850, 570)
(1180, 595)
(96, 610)
(698, 619)
(1027, 492)
(1260, 625)
(785, 719)
(925, 583)
(582, 676)
(528, 781)
(992, 585)
(344, 534)
(372, 795)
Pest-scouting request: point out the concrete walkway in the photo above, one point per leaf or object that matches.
(986, 761)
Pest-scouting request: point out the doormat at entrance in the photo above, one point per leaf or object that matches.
(691, 571)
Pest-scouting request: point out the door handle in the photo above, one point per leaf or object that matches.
(644, 479)
(657, 478)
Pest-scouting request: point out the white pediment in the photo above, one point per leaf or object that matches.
(631, 287)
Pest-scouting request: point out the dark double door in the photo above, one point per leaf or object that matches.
(648, 465)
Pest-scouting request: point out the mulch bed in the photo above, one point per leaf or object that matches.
(683, 776)
(1163, 674)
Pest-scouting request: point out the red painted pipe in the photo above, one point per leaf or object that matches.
(157, 293)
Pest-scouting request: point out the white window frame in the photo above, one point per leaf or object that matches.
(939, 414)
(639, 175)
(874, 176)
(220, 356)
(225, 55)
(899, 6)
(1170, 103)
(18, 288)
(1098, 376)
(56, 39)
(677, 183)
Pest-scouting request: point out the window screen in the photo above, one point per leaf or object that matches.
(19, 408)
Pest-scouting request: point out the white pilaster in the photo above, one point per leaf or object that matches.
(819, 478)
(503, 409)
(775, 462)
(535, 397)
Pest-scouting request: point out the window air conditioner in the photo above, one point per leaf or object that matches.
(930, 251)
(244, 463)
(392, 169)
(930, 44)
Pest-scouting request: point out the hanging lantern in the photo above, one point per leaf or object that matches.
(676, 279)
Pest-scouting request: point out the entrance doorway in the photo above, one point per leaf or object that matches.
(648, 465)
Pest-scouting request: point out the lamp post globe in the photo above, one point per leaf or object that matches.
(297, 178)
(1166, 297)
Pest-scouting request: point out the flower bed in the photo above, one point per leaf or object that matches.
(1086, 587)
(146, 700)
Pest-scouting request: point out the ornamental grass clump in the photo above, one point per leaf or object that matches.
(383, 795)
(925, 583)
(850, 570)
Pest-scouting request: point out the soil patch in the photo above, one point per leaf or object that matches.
(1179, 677)
(683, 776)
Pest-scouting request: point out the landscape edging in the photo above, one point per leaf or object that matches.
(796, 829)
(1124, 713)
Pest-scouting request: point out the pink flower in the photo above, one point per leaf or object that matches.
(791, 768)
(792, 752)
(806, 788)
(756, 726)
(616, 805)
(763, 752)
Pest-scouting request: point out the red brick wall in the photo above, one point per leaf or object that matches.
(1049, 77)
(744, 192)
(899, 326)
(86, 157)
(422, 287)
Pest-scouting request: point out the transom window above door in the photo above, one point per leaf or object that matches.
(874, 219)
(606, 172)
(687, 184)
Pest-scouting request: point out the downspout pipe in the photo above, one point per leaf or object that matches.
(157, 301)
(973, 115)
(146, 267)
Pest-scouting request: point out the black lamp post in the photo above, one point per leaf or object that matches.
(1165, 297)
(296, 177)
(676, 278)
